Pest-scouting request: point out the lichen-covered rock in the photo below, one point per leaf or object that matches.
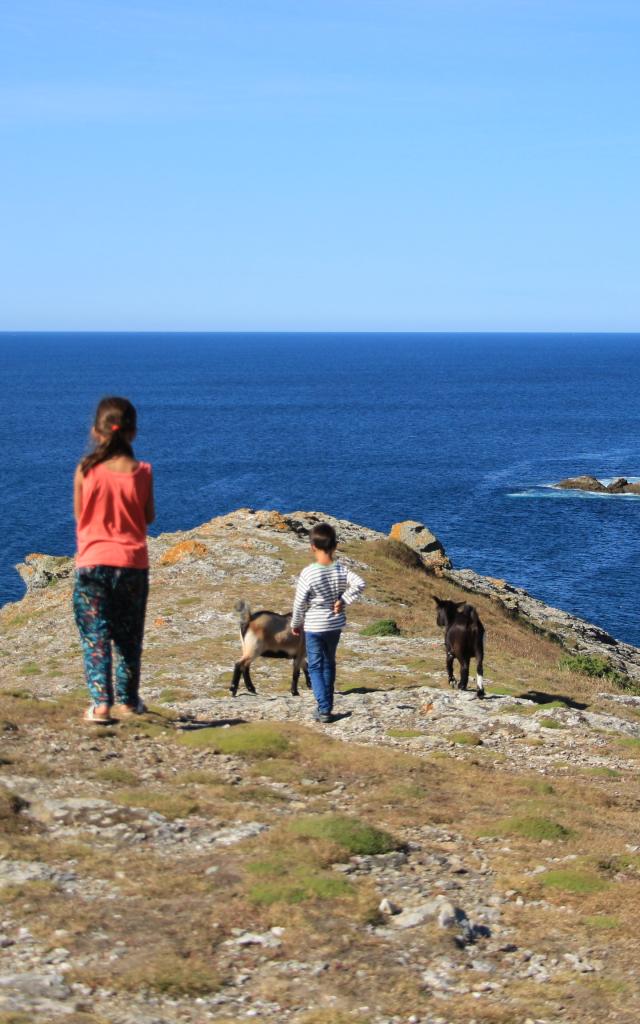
(184, 549)
(40, 571)
(419, 537)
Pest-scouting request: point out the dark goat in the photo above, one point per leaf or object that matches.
(463, 639)
(267, 635)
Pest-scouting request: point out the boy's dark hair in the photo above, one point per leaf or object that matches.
(323, 537)
(115, 422)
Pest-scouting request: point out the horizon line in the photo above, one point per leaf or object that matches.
(241, 331)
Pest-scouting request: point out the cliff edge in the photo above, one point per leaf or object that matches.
(428, 858)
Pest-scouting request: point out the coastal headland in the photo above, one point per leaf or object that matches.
(428, 857)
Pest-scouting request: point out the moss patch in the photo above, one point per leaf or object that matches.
(602, 922)
(258, 739)
(382, 627)
(529, 828)
(404, 734)
(353, 836)
(575, 881)
(294, 885)
(465, 739)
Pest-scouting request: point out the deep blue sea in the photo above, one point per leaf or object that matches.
(462, 432)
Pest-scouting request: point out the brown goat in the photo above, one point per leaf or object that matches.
(267, 635)
(463, 639)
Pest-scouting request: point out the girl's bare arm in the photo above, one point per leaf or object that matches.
(77, 493)
(150, 507)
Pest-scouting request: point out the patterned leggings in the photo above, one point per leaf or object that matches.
(109, 606)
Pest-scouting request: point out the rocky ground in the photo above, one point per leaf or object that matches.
(429, 857)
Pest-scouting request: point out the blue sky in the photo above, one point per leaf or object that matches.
(319, 165)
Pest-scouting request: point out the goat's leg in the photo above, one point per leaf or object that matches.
(235, 682)
(464, 674)
(306, 673)
(479, 667)
(294, 679)
(246, 675)
(450, 675)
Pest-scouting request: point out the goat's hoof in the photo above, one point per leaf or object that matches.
(462, 686)
(480, 694)
(453, 684)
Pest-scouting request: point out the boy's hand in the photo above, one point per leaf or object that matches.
(295, 630)
(338, 606)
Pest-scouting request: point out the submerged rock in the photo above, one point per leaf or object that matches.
(590, 483)
(581, 483)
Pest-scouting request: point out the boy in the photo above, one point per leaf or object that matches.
(322, 592)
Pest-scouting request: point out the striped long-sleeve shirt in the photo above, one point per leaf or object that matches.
(318, 589)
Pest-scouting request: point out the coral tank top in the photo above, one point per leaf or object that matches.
(112, 528)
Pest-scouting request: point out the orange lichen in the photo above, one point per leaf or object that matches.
(184, 549)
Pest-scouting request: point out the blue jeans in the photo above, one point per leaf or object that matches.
(321, 658)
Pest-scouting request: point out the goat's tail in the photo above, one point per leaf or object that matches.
(244, 615)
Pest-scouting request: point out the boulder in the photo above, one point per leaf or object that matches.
(40, 571)
(420, 538)
(581, 483)
(618, 486)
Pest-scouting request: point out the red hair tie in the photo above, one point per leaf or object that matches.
(115, 426)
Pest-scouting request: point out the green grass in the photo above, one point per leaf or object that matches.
(173, 696)
(539, 787)
(382, 627)
(597, 668)
(551, 723)
(299, 884)
(575, 881)
(404, 734)
(30, 668)
(602, 771)
(351, 835)
(258, 739)
(536, 828)
(465, 739)
(119, 776)
(602, 922)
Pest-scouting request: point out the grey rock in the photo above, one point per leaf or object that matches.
(447, 915)
(256, 939)
(47, 986)
(417, 916)
(386, 906)
(229, 836)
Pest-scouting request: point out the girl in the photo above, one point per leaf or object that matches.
(112, 504)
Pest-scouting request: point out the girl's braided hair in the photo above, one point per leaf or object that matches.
(115, 423)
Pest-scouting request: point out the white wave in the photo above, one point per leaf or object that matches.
(559, 493)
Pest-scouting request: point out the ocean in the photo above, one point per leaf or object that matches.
(464, 432)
